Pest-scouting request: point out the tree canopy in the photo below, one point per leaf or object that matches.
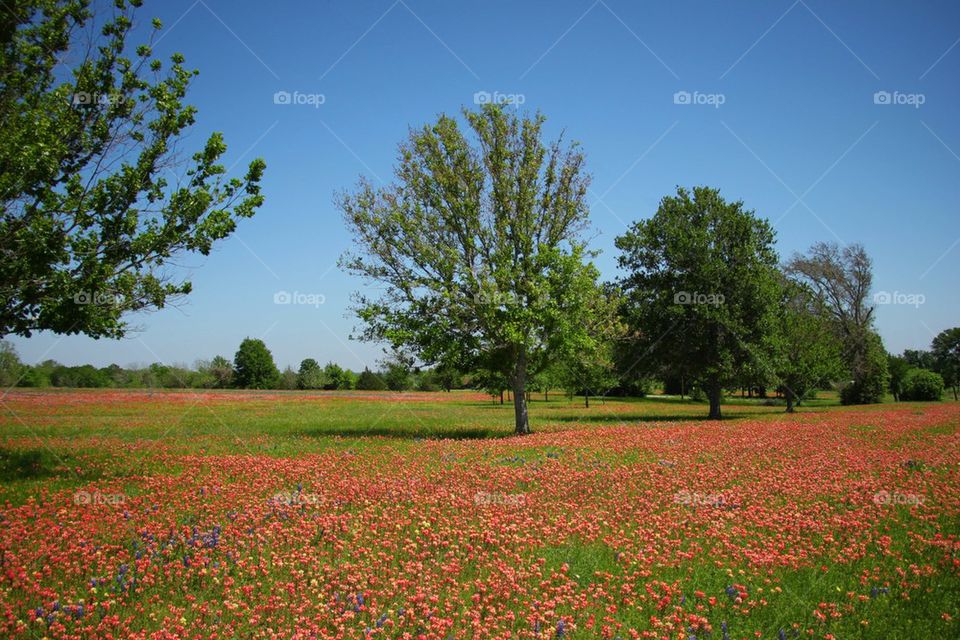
(478, 248)
(701, 287)
(89, 217)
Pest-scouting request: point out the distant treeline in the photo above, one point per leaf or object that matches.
(251, 368)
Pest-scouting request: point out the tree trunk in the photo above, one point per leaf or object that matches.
(586, 399)
(789, 394)
(521, 420)
(714, 392)
(546, 396)
(501, 396)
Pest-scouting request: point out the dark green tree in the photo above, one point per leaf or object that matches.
(898, 367)
(920, 359)
(370, 381)
(336, 377)
(476, 248)
(89, 221)
(946, 357)
(254, 367)
(701, 288)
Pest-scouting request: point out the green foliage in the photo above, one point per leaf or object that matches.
(701, 288)
(88, 218)
(477, 248)
(397, 376)
(11, 369)
(898, 367)
(870, 375)
(919, 359)
(287, 379)
(808, 352)
(310, 375)
(254, 367)
(336, 377)
(370, 381)
(841, 278)
(946, 357)
(921, 384)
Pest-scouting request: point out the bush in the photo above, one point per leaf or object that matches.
(921, 384)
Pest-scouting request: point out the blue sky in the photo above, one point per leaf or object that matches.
(783, 113)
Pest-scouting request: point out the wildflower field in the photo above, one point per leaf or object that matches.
(286, 515)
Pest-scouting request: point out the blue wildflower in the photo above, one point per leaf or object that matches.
(561, 628)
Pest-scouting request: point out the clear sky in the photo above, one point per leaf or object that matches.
(781, 110)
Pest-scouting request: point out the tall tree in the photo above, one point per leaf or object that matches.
(254, 366)
(477, 246)
(88, 218)
(701, 287)
(946, 357)
(841, 278)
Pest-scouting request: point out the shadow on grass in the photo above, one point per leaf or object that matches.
(408, 433)
(585, 417)
(26, 464)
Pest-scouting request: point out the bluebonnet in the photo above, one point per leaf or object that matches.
(561, 628)
(723, 627)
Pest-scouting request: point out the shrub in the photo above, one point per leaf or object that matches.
(921, 384)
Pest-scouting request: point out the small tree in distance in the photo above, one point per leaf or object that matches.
(254, 366)
(370, 381)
